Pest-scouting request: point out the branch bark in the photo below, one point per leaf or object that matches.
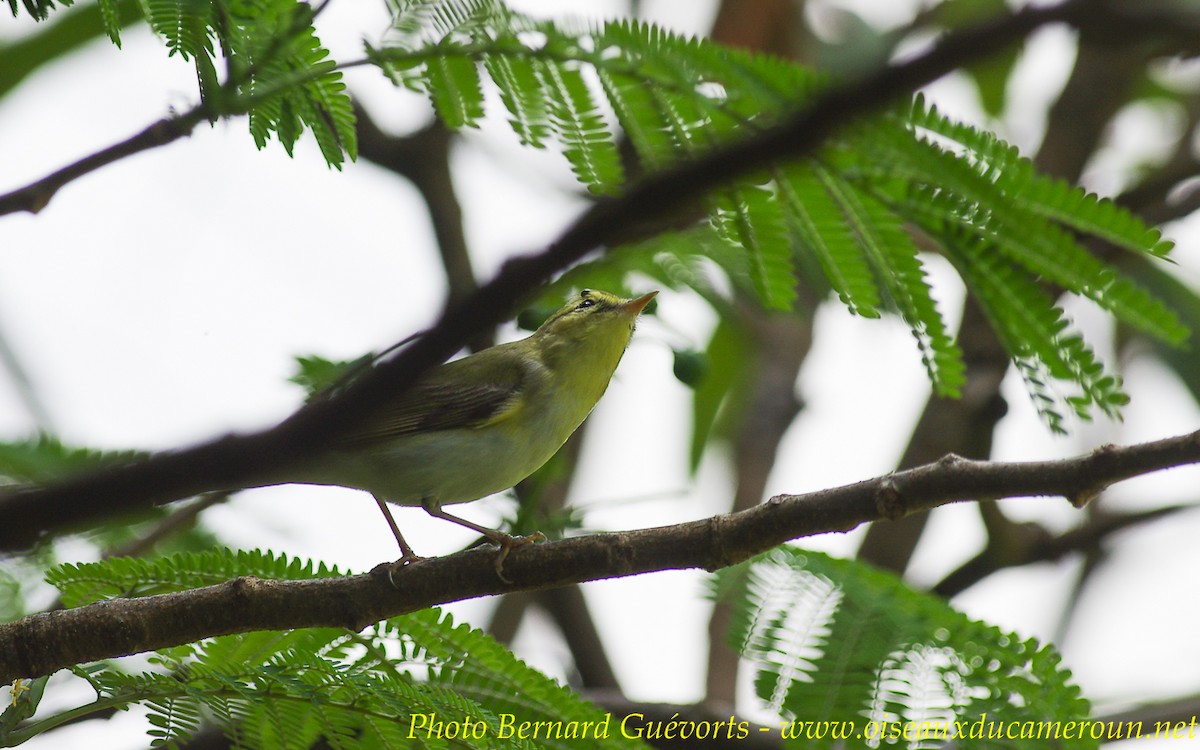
(43, 643)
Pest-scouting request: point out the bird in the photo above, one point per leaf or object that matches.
(479, 425)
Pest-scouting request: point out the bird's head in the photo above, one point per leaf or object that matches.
(593, 324)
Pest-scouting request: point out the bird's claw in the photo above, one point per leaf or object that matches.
(408, 558)
(507, 544)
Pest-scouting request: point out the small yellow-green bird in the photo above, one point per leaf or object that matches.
(479, 425)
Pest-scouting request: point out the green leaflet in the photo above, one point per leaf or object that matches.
(43, 459)
(893, 255)
(838, 641)
(454, 88)
(185, 26)
(517, 79)
(576, 119)
(1184, 361)
(81, 583)
(816, 221)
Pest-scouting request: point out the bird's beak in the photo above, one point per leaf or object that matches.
(635, 306)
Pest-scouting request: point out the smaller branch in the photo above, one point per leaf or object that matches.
(44, 643)
(36, 195)
(176, 521)
(1028, 543)
(1172, 712)
(423, 158)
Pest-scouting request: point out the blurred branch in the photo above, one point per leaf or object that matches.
(41, 644)
(179, 520)
(1172, 712)
(238, 461)
(37, 195)
(778, 344)
(423, 158)
(1159, 197)
(69, 31)
(1026, 543)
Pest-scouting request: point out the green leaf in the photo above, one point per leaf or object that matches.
(315, 373)
(575, 117)
(815, 219)
(184, 25)
(1184, 361)
(455, 90)
(83, 583)
(690, 367)
(405, 682)
(522, 96)
(39, 9)
(749, 216)
(837, 641)
(894, 255)
(45, 459)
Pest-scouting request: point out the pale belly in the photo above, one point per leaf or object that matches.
(453, 466)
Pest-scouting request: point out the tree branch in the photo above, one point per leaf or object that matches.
(1028, 543)
(239, 461)
(36, 195)
(43, 643)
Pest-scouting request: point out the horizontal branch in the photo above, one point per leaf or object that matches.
(238, 461)
(43, 643)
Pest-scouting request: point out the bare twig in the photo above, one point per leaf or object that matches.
(179, 520)
(35, 196)
(1031, 543)
(43, 643)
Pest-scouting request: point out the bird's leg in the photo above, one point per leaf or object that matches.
(507, 542)
(406, 552)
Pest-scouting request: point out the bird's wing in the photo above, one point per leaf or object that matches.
(470, 392)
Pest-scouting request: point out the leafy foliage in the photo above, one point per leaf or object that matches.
(275, 67)
(413, 681)
(39, 9)
(1014, 235)
(836, 641)
(855, 210)
(81, 583)
(44, 458)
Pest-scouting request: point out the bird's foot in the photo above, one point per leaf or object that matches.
(508, 543)
(408, 558)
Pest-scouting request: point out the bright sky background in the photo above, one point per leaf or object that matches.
(160, 302)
